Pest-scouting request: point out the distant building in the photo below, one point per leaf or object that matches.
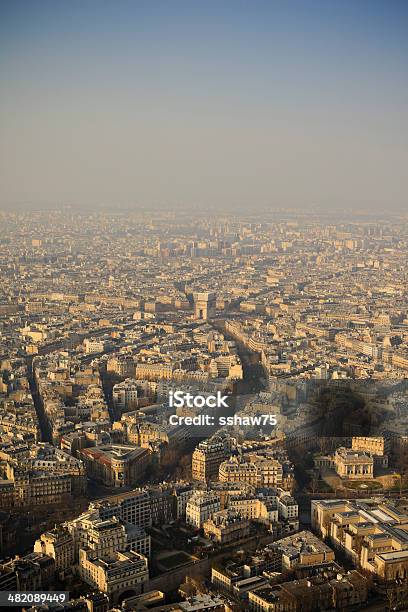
(123, 366)
(204, 305)
(374, 446)
(125, 395)
(368, 444)
(94, 346)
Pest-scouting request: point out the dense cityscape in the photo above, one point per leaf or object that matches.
(204, 411)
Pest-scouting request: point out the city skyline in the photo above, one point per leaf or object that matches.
(203, 411)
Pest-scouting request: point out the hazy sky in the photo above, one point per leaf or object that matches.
(204, 104)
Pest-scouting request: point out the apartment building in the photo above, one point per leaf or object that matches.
(126, 573)
(124, 366)
(259, 472)
(57, 543)
(208, 456)
(132, 507)
(201, 506)
(125, 395)
(226, 526)
(94, 345)
(343, 591)
(144, 507)
(302, 548)
(100, 536)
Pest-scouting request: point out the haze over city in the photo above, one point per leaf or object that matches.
(203, 306)
(250, 105)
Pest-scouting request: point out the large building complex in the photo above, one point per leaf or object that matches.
(373, 534)
(116, 465)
